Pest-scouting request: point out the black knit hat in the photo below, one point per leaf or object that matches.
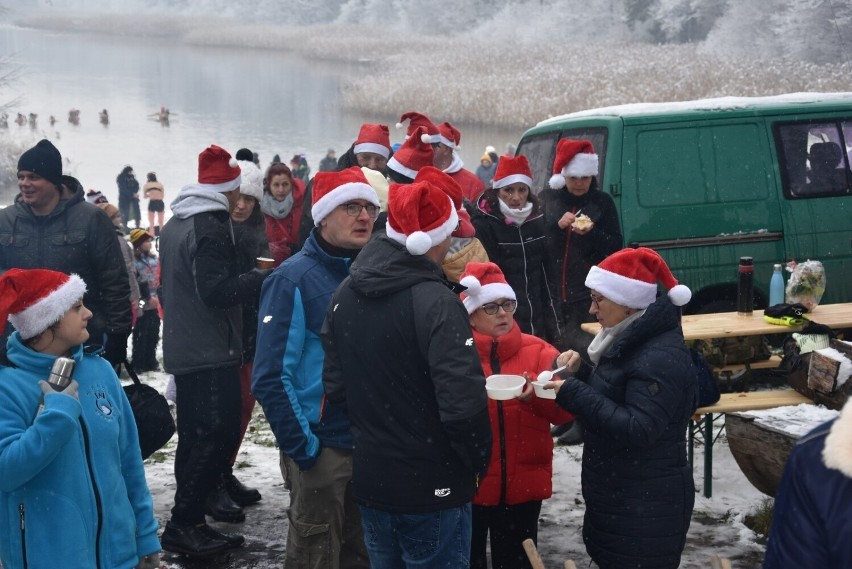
(43, 159)
(245, 154)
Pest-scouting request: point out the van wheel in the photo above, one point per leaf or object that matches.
(717, 306)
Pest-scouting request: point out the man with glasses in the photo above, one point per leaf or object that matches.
(313, 435)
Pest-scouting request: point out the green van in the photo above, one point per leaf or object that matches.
(707, 182)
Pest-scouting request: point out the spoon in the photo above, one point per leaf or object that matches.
(548, 375)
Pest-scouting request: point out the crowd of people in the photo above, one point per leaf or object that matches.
(363, 308)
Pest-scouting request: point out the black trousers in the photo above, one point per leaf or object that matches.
(146, 334)
(208, 426)
(509, 526)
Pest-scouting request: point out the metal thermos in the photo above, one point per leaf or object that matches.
(745, 286)
(60, 373)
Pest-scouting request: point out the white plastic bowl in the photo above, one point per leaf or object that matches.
(502, 387)
(541, 392)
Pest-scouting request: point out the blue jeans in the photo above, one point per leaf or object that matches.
(434, 540)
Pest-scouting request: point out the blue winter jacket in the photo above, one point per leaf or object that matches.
(812, 523)
(288, 363)
(72, 483)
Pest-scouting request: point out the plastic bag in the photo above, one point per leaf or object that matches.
(807, 283)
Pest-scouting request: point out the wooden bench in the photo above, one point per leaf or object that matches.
(732, 403)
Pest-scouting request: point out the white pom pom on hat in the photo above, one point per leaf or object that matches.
(629, 277)
(418, 243)
(485, 283)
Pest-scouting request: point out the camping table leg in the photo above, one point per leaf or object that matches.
(708, 455)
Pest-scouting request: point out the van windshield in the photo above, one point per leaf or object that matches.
(815, 157)
(540, 150)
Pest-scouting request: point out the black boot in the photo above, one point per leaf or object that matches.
(572, 436)
(222, 508)
(191, 540)
(239, 492)
(232, 539)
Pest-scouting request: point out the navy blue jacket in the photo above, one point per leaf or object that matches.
(635, 406)
(812, 523)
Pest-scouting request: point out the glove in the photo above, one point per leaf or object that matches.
(251, 282)
(115, 351)
(151, 561)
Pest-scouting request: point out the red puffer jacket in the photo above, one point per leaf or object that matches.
(521, 465)
(283, 234)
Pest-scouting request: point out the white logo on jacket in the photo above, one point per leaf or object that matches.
(468, 342)
(442, 492)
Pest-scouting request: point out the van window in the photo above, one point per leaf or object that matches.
(700, 165)
(540, 150)
(814, 157)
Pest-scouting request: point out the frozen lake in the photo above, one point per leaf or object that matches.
(269, 101)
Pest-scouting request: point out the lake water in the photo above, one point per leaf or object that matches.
(268, 101)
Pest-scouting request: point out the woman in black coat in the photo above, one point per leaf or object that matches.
(510, 225)
(635, 397)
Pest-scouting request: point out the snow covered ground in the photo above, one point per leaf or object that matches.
(717, 522)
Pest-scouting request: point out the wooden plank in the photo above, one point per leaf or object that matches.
(771, 363)
(723, 324)
(532, 554)
(754, 401)
(760, 452)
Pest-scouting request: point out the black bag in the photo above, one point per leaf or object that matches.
(154, 420)
(708, 389)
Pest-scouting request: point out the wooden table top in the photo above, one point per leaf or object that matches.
(754, 401)
(723, 324)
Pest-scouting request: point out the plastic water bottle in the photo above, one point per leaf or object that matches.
(745, 286)
(776, 286)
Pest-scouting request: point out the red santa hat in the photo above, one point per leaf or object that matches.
(416, 120)
(217, 170)
(449, 135)
(485, 283)
(510, 170)
(415, 153)
(35, 299)
(629, 277)
(573, 158)
(332, 189)
(373, 138)
(420, 216)
(446, 182)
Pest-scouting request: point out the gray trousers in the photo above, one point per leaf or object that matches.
(325, 524)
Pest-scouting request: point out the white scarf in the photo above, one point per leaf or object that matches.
(607, 336)
(516, 216)
(274, 208)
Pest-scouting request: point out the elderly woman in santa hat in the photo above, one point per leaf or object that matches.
(635, 396)
(511, 226)
(582, 229)
(72, 482)
(508, 502)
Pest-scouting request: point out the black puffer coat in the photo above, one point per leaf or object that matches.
(522, 253)
(76, 237)
(635, 406)
(251, 243)
(573, 255)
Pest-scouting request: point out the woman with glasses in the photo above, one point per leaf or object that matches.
(518, 479)
(281, 204)
(634, 395)
(510, 225)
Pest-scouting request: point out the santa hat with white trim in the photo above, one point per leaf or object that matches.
(449, 135)
(573, 158)
(373, 138)
(629, 277)
(332, 189)
(510, 170)
(415, 153)
(35, 299)
(416, 120)
(217, 170)
(451, 188)
(420, 216)
(485, 283)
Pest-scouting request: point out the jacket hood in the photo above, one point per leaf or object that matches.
(837, 452)
(192, 200)
(25, 358)
(384, 267)
(76, 197)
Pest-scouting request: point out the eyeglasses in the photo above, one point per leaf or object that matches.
(508, 307)
(596, 300)
(354, 209)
